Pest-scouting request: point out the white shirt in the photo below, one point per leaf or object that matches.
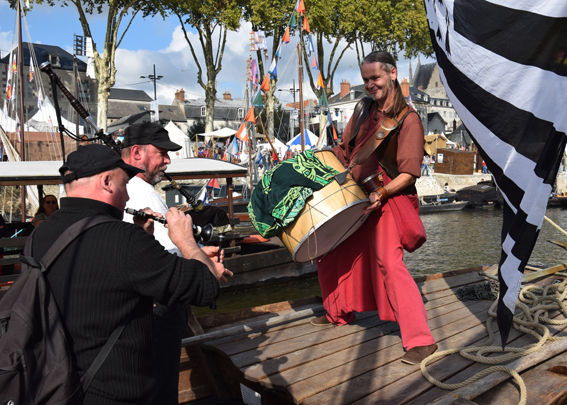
(144, 195)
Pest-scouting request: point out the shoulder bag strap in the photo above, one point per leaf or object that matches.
(54, 251)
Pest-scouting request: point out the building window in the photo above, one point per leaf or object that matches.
(54, 59)
(241, 113)
(203, 111)
(432, 102)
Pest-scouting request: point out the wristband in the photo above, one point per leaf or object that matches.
(382, 192)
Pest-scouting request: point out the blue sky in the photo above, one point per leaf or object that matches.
(156, 41)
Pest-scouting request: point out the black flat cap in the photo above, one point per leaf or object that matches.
(148, 133)
(92, 159)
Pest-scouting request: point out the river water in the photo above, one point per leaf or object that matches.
(455, 240)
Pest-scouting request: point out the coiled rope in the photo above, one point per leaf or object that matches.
(535, 303)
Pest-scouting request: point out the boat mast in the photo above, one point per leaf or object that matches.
(301, 114)
(21, 97)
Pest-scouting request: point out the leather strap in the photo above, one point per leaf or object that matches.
(375, 141)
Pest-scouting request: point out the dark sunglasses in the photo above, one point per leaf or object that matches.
(50, 202)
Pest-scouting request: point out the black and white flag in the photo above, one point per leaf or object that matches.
(504, 66)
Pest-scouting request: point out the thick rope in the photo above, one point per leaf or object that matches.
(535, 303)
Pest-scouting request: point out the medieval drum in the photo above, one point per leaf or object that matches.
(329, 217)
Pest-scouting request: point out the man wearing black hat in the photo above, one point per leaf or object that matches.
(114, 271)
(146, 147)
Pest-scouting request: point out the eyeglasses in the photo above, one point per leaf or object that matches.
(50, 202)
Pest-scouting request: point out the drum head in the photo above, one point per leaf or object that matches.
(328, 235)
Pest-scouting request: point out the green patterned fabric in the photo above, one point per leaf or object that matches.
(282, 191)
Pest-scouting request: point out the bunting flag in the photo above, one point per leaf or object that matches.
(265, 87)
(11, 65)
(18, 128)
(232, 148)
(314, 63)
(225, 157)
(310, 48)
(14, 65)
(273, 71)
(8, 91)
(214, 183)
(39, 98)
(409, 101)
(293, 21)
(484, 49)
(32, 71)
(306, 24)
(323, 101)
(335, 137)
(286, 38)
(300, 8)
(320, 82)
(250, 116)
(258, 101)
(279, 51)
(241, 133)
(254, 71)
(329, 118)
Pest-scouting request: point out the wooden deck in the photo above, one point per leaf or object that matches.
(360, 363)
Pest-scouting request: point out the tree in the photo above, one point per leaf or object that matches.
(395, 27)
(209, 18)
(198, 127)
(105, 65)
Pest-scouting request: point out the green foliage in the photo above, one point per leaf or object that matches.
(198, 127)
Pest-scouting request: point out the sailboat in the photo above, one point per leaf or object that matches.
(29, 127)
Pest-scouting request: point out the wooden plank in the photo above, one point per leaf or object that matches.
(542, 385)
(290, 271)
(357, 379)
(296, 355)
(521, 364)
(455, 368)
(9, 260)
(227, 318)
(250, 262)
(18, 242)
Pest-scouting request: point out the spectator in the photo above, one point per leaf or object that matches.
(47, 207)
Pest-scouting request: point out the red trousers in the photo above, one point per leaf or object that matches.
(367, 273)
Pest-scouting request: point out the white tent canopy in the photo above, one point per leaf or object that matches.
(280, 147)
(40, 120)
(310, 141)
(219, 133)
(177, 136)
(8, 124)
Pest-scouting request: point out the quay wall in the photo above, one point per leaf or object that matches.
(561, 182)
(434, 184)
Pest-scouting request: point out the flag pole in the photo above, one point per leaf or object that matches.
(269, 141)
(302, 117)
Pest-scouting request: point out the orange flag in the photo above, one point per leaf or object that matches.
(306, 24)
(320, 81)
(335, 137)
(314, 63)
(224, 157)
(286, 39)
(241, 134)
(301, 7)
(250, 116)
(265, 84)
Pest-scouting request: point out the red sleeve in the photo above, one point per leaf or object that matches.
(410, 145)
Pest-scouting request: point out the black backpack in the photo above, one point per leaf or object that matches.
(35, 362)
